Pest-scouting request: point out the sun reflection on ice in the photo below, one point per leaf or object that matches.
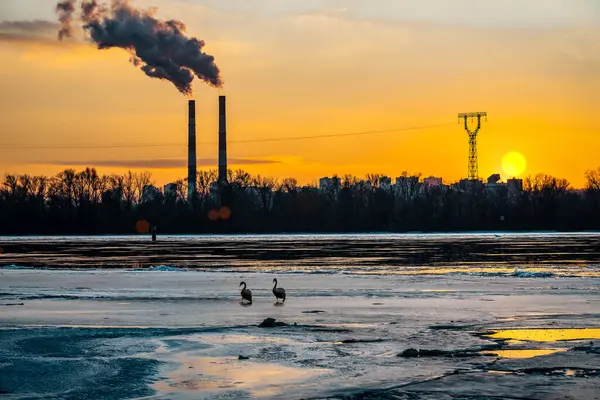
(218, 374)
(547, 335)
(525, 353)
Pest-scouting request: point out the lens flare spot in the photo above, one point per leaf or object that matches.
(225, 213)
(142, 226)
(213, 215)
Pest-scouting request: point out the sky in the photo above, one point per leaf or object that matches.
(310, 68)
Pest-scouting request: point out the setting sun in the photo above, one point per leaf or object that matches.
(514, 164)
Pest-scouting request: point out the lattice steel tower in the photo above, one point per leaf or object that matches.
(473, 168)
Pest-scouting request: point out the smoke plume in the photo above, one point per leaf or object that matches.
(65, 10)
(159, 48)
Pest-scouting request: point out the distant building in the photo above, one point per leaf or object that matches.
(468, 185)
(385, 182)
(150, 193)
(494, 185)
(515, 185)
(364, 185)
(407, 180)
(112, 195)
(432, 182)
(170, 189)
(493, 179)
(407, 187)
(330, 183)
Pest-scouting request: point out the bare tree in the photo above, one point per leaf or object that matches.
(89, 186)
(11, 184)
(241, 178)
(407, 187)
(129, 182)
(115, 184)
(543, 183)
(182, 189)
(373, 179)
(265, 188)
(26, 186)
(40, 184)
(349, 181)
(63, 186)
(288, 185)
(205, 179)
(142, 180)
(593, 179)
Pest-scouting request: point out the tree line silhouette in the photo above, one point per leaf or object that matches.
(85, 202)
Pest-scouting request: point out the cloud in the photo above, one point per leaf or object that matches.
(36, 31)
(31, 27)
(473, 13)
(164, 163)
(484, 13)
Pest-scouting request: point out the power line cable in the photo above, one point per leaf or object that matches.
(89, 146)
(265, 140)
(340, 134)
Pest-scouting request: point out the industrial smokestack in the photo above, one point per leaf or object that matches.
(192, 150)
(222, 140)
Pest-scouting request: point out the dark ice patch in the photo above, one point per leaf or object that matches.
(591, 349)
(451, 327)
(554, 371)
(79, 363)
(115, 378)
(461, 353)
(271, 323)
(352, 341)
(275, 354)
(67, 346)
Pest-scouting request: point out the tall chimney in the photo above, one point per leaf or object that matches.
(222, 140)
(192, 150)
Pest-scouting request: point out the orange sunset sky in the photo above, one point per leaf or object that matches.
(316, 67)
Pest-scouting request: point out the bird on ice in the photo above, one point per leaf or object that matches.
(246, 293)
(278, 292)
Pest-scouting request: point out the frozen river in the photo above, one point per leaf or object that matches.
(175, 329)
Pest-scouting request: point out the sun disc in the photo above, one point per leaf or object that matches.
(514, 164)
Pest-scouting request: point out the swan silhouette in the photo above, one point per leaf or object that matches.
(246, 293)
(278, 292)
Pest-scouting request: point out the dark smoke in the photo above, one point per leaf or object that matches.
(65, 10)
(160, 48)
(91, 10)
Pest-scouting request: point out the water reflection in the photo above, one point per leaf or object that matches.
(558, 254)
(547, 335)
(218, 374)
(523, 353)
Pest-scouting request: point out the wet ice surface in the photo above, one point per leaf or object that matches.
(508, 331)
(178, 335)
(553, 254)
